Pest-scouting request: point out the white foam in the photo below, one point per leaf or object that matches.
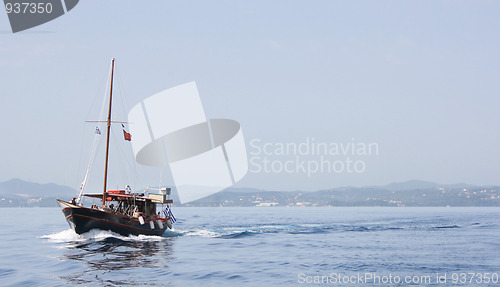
(70, 235)
(142, 238)
(215, 233)
(64, 236)
(201, 233)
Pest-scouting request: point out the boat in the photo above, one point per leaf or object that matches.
(121, 211)
(204, 155)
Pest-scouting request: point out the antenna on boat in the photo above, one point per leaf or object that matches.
(107, 137)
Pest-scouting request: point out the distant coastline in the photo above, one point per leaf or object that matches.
(19, 193)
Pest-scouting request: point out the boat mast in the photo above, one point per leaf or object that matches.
(107, 137)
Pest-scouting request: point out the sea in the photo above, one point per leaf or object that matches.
(260, 246)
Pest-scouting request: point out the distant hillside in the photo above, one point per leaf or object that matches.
(18, 186)
(16, 192)
(410, 185)
(398, 194)
(19, 193)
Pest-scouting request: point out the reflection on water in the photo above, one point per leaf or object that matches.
(116, 262)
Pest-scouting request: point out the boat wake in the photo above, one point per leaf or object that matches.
(70, 236)
(236, 232)
(233, 232)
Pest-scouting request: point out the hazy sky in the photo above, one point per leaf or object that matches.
(419, 79)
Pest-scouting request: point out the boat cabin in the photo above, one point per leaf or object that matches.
(131, 204)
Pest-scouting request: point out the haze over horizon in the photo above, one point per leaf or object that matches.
(418, 80)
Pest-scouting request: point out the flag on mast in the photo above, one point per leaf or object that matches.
(127, 136)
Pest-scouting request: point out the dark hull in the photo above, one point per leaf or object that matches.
(83, 219)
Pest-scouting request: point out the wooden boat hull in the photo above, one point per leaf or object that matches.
(83, 219)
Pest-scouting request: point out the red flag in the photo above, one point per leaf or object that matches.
(127, 136)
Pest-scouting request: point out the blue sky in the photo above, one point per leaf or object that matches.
(419, 78)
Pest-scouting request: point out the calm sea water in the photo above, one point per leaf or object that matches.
(260, 247)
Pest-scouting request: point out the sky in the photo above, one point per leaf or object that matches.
(415, 80)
